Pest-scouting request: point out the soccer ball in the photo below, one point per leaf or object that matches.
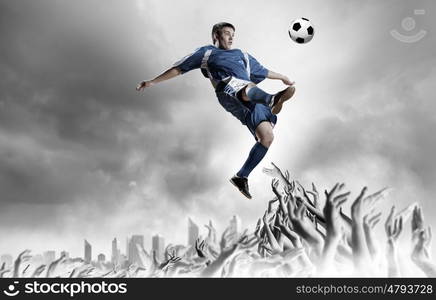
(301, 31)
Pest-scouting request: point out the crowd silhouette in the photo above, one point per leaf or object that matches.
(301, 234)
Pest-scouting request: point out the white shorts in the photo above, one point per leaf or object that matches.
(234, 85)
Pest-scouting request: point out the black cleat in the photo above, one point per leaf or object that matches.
(280, 98)
(242, 184)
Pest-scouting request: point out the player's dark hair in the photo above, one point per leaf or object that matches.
(217, 29)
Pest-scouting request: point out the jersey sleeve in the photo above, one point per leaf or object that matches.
(191, 61)
(257, 71)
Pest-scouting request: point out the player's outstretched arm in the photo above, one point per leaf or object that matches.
(168, 74)
(274, 75)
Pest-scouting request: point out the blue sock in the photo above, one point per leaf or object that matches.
(257, 95)
(256, 154)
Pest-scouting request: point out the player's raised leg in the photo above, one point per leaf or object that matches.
(252, 93)
(265, 137)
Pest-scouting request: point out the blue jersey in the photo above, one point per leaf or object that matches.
(223, 65)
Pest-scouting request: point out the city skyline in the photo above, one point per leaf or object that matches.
(157, 239)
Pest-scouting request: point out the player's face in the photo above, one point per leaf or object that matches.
(225, 39)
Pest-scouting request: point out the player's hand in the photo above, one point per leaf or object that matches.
(287, 81)
(144, 84)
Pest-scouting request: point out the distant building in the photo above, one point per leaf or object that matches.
(115, 252)
(127, 247)
(101, 258)
(49, 256)
(65, 254)
(133, 253)
(235, 227)
(88, 252)
(235, 224)
(158, 246)
(6, 259)
(123, 261)
(37, 259)
(192, 232)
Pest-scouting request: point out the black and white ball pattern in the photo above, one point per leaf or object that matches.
(301, 31)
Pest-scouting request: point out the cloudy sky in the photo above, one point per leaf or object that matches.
(83, 155)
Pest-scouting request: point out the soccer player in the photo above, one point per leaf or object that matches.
(234, 75)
